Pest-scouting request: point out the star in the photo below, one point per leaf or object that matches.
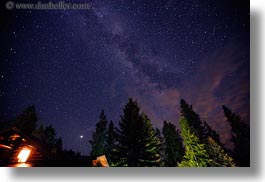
(76, 63)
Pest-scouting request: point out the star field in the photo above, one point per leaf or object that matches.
(71, 64)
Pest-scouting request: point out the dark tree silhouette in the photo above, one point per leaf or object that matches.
(48, 136)
(208, 131)
(149, 144)
(174, 150)
(240, 138)
(137, 143)
(99, 136)
(59, 144)
(27, 120)
(161, 146)
(111, 144)
(193, 119)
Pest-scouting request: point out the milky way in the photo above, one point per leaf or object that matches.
(71, 64)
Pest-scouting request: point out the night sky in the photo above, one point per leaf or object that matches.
(71, 64)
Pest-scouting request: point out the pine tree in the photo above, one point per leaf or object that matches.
(203, 131)
(137, 143)
(59, 145)
(193, 119)
(111, 144)
(127, 135)
(174, 150)
(217, 152)
(240, 138)
(196, 154)
(39, 132)
(161, 145)
(149, 144)
(99, 136)
(48, 136)
(219, 157)
(27, 121)
(208, 131)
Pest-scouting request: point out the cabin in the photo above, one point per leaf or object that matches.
(18, 149)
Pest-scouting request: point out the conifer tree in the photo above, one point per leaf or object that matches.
(127, 135)
(39, 132)
(99, 136)
(161, 146)
(59, 144)
(219, 157)
(149, 144)
(208, 131)
(111, 144)
(240, 138)
(137, 143)
(48, 136)
(27, 121)
(203, 131)
(200, 128)
(217, 152)
(196, 154)
(174, 150)
(193, 119)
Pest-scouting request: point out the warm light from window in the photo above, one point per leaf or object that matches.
(23, 155)
(22, 165)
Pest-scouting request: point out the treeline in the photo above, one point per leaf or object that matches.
(136, 143)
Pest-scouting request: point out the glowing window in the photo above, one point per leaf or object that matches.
(23, 155)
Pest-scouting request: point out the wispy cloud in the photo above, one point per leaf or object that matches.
(222, 77)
